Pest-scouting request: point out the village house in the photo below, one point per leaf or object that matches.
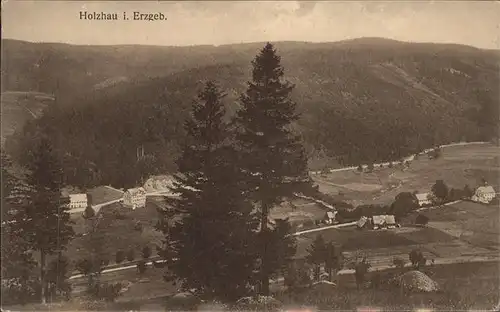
(484, 194)
(330, 217)
(423, 199)
(135, 198)
(377, 222)
(78, 201)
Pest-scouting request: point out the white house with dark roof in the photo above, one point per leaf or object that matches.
(484, 194)
(423, 199)
(78, 201)
(135, 198)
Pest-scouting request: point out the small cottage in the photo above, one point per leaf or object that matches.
(390, 221)
(378, 222)
(423, 199)
(362, 222)
(484, 194)
(330, 217)
(135, 198)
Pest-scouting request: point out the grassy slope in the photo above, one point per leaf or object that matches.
(464, 286)
(458, 166)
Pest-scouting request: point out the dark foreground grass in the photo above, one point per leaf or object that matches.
(463, 287)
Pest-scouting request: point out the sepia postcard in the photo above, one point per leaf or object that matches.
(250, 156)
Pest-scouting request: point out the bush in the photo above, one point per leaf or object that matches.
(105, 262)
(120, 256)
(361, 268)
(417, 258)
(20, 291)
(131, 255)
(421, 220)
(105, 291)
(141, 267)
(146, 252)
(138, 226)
(398, 263)
(84, 266)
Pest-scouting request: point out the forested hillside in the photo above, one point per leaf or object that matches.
(361, 100)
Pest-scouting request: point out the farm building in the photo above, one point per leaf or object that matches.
(135, 198)
(423, 199)
(78, 201)
(330, 217)
(362, 222)
(377, 222)
(484, 194)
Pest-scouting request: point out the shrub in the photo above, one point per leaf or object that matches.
(120, 256)
(105, 262)
(398, 263)
(20, 291)
(131, 255)
(141, 267)
(360, 168)
(138, 226)
(105, 291)
(146, 252)
(421, 220)
(417, 258)
(84, 266)
(361, 268)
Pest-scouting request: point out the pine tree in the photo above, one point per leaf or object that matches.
(333, 259)
(317, 254)
(271, 156)
(45, 220)
(17, 263)
(211, 248)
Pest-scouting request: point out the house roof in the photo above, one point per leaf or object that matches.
(78, 197)
(137, 191)
(362, 221)
(389, 219)
(103, 194)
(377, 220)
(422, 196)
(485, 189)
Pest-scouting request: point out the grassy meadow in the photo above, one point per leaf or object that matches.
(458, 166)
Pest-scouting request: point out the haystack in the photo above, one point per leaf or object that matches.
(417, 281)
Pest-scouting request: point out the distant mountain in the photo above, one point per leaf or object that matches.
(361, 100)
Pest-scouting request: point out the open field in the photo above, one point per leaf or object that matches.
(458, 230)
(299, 211)
(475, 224)
(458, 166)
(116, 231)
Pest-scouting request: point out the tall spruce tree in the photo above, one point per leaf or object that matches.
(210, 248)
(272, 157)
(44, 220)
(317, 254)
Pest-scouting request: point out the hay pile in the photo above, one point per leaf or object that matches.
(417, 281)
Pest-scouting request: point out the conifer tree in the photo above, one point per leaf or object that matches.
(210, 248)
(317, 254)
(18, 283)
(44, 221)
(271, 156)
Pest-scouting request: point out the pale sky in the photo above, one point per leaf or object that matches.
(223, 22)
